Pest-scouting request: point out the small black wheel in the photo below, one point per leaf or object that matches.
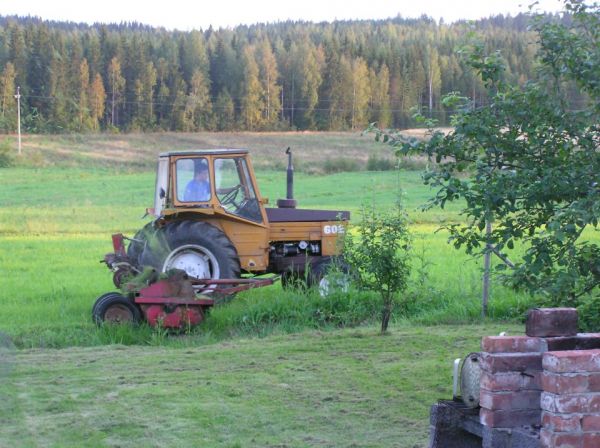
(122, 274)
(101, 298)
(115, 309)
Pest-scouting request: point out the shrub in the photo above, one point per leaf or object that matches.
(339, 165)
(381, 257)
(589, 314)
(6, 158)
(376, 163)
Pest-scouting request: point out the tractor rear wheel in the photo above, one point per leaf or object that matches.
(115, 309)
(198, 248)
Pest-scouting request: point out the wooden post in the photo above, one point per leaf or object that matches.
(487, 261)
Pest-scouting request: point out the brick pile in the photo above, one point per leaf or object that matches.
(511, 368)
(571, 399)
(510, 387)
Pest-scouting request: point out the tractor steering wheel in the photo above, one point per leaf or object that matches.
(230, 196)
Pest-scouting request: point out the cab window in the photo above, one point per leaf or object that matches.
(193, 180)
(234, 188)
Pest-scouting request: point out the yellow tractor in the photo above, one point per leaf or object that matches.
(211, 222)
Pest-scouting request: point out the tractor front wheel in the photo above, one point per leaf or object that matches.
(326, 275)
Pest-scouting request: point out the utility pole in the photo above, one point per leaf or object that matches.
(18, 97)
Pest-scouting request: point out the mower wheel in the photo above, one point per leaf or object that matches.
(198, 248)
(115, 309)
(101, 298)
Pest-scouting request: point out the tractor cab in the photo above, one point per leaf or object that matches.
(218, 181)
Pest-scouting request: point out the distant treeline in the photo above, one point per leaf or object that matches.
(288, 75)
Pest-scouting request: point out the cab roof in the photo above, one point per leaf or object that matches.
(204, 152)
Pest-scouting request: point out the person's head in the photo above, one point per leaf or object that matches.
(201, 172)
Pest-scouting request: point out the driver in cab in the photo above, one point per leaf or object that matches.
(198, 189)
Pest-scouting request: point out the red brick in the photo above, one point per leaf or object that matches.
(511, 381)
(550, 439)
(591, 440)
(567, 383)
(511, 362)
(572, 361)
(509, 419)
(591, 423)
(512, 344)
(561, 422)
(529, 399)
(570, 403)
(583, 341)
(594, 382)
(544, 322)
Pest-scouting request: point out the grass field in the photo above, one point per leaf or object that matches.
(269, 368)
(346, 388)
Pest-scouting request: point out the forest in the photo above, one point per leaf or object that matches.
(265, 77)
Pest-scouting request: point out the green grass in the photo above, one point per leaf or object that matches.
(63, 200)
(341, 388)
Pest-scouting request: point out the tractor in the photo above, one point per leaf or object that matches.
(211, 222)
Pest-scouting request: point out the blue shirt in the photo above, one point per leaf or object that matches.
(196, 191)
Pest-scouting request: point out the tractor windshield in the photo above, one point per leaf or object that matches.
(235, 190)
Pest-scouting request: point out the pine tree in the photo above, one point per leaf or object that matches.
(361, 93)
(252, 92)
(82, 88)
(97, 99)
(380, 97)
(7, 101)
(224, 111)
(269, 76)
(144, 98)
(198, 108)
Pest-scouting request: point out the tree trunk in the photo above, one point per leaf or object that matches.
(386, 313)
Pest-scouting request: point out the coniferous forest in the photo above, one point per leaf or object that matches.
(281, 76)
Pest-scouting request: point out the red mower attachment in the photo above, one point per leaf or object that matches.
(175, 302)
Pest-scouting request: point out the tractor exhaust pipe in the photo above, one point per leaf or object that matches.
(289, 201)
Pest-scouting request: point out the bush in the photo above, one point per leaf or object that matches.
(340, 165)
(376, 163)
(381, 256)
(589, 314)
(6, 158)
